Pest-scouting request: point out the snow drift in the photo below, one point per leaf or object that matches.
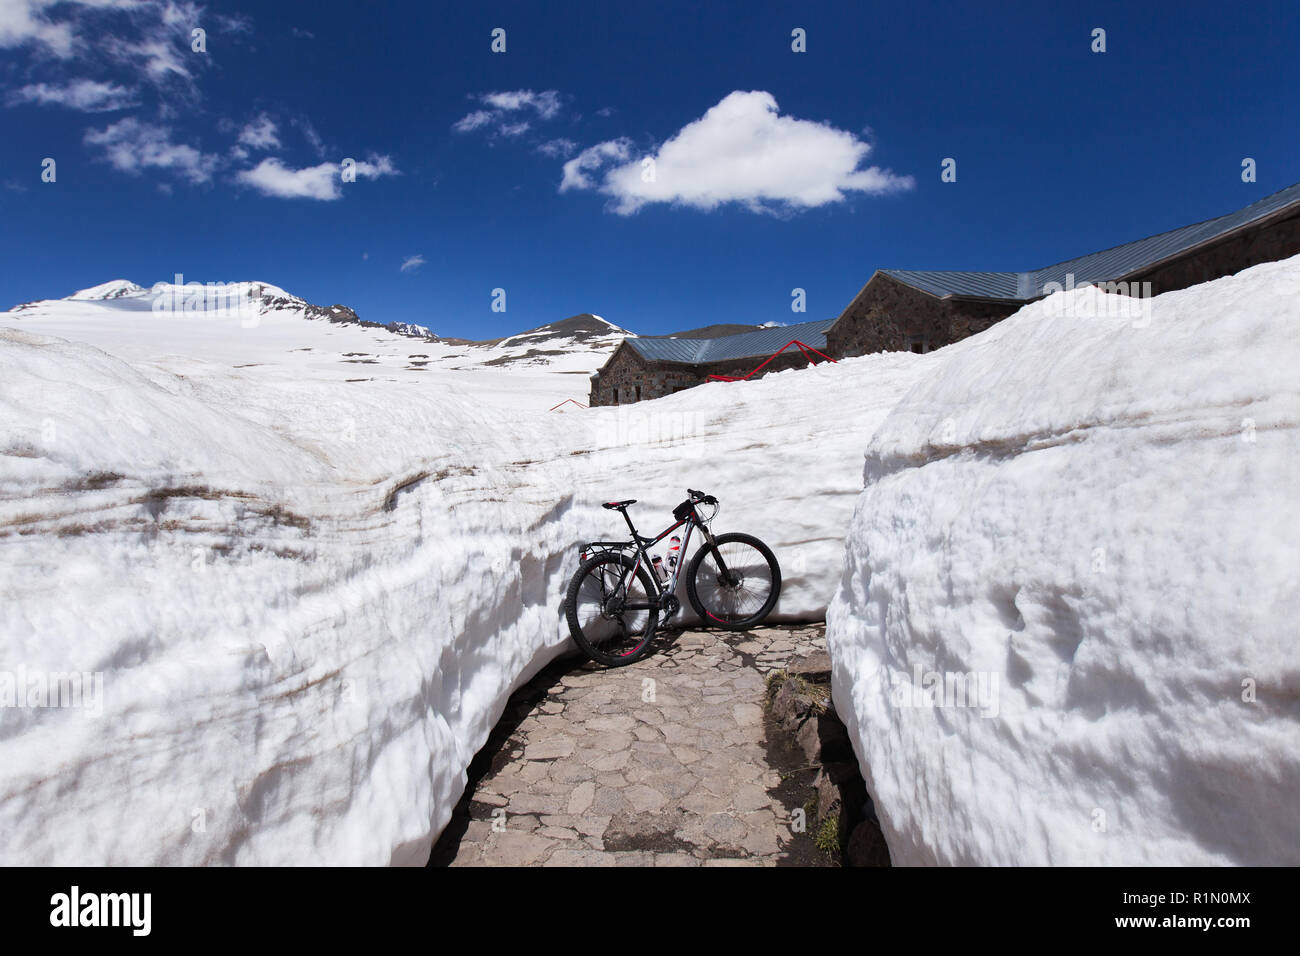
(1066, 628)
(302, 565)
(303, 578)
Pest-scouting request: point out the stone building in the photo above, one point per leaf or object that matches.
(647, 366)
(901, 310)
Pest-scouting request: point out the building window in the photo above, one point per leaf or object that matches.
(920, 344)
(637, 392)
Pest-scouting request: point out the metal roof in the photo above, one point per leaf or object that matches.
(760, 342)
(664, 349)
(1107, 265)
(987, 285)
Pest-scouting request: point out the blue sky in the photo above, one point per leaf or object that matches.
(521, 170)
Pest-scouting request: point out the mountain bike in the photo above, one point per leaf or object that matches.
(618, 596)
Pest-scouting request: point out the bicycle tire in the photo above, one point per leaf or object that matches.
(589, 643)
(713, 617)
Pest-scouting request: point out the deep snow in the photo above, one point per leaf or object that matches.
(1090, 521)
(309, 570)
(308, 598)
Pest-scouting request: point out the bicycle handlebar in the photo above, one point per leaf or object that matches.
(701, 497)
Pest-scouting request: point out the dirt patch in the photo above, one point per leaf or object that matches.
(819, 770)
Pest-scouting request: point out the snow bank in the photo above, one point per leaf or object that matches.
(300, 600)
(1066, 628)
(296, 627)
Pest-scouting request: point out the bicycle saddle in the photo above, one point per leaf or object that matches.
(618, 505)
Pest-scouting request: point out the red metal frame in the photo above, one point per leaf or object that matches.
(805, 349)
(566, 401)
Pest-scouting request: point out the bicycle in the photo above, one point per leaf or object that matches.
(617, 596)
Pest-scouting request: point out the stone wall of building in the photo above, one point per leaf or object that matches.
(627, 377)
(793, 358)
(1279, 240)
(889, 316)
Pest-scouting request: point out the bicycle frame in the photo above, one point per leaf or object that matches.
(641, 543)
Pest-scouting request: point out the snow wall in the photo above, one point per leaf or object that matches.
(301, 604)
(1066, 630)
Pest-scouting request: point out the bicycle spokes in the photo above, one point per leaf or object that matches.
(739, 587)
(612, 609)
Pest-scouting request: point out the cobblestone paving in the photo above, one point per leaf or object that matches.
(661, 763)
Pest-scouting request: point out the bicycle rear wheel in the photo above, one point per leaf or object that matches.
(612, 613)
(745, 594)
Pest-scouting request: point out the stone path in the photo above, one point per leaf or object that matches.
(662, 763)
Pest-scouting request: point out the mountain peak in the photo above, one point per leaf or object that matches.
(218, 297)
(113, 289)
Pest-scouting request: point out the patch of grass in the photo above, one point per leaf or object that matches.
(818, 694)
(828, 835)
(774, 681)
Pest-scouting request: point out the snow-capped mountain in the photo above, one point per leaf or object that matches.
(250, 299)
(107, 290)
(578, 343)
(260, 325)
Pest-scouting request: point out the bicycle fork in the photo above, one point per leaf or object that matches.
(711, 543)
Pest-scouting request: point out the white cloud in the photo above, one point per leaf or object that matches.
(591, 159)
(150, 38)
(260, 133)
(741, 151)
(472, 121)
(89, 96)
(159, 57)
(271, 177)
(133, 147)
(546, 104)
(22, 22)
(558, 148)
(411, 263)
(510, 113)
(309, 133)
(376, 166)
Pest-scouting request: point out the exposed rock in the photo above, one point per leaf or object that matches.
(867, 846)
(814, 668)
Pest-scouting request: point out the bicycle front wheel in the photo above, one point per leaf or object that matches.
(612, 612)
(738, 592)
